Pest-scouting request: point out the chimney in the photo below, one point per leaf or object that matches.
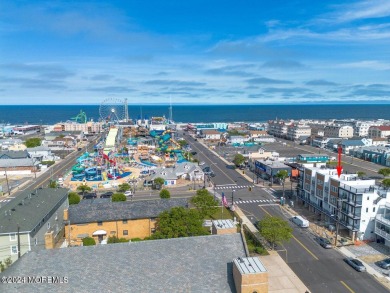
(66, 216)
(49, 240)
(250, 275)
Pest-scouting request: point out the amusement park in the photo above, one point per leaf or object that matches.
(128, 150)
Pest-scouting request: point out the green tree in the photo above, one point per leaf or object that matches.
(384, 172)
(360, 174)
(386, 183)
(33, 142)
(53, 184)
(83, 188)
(73, 198)
(205, 203)
(118, 197)
(179, 222)
(275, 230)
(159, 181)
(238, 159)
(164, 193)
(124, 187)
(114, 239)
(88, 241)
(282, 175)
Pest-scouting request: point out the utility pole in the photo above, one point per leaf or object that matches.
(18, 241)
(6, 178)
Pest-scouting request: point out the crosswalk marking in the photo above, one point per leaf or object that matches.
(257, 201)
(219, 187)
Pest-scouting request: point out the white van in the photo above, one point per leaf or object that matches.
(301, 222)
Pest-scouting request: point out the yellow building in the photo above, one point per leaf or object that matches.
(101, 218)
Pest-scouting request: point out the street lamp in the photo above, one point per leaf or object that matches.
(233, 197)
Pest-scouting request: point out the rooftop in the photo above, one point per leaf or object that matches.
(100, 211)
(28, 209)
(249, 265)
(169, 265)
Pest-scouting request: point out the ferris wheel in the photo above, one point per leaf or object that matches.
(113, 110)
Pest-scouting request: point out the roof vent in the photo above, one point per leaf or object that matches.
(13, 209)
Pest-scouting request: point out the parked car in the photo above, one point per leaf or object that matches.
(89, 195)
(355, 263)
(325, 243)
(128, 193)
(201, 163)
(107, 194)
(384, 263)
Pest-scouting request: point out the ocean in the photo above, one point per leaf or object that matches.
(51, 114)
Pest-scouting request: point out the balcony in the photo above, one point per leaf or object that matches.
(382, 233)
(382, 219)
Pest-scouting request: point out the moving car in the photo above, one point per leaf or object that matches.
(355, 263)
(325, 243)
(128, 193)
(301, 222)
(384, 263)
(89, 196)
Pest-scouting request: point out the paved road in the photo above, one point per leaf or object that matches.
(322, 270)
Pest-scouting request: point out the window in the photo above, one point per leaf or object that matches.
(366, 210)
(12, 237)
(112, 232)
(100, 223)
(124, 221)
(14, 249)
(36, 241)
(48, 225)
(373, 209)
(125, 232)
(368, 198)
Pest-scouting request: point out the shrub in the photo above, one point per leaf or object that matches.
(164, 193)
(118, 197)
(74, 198)
(88, 241)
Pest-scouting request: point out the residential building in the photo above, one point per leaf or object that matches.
(26, 129)
(210, 134)
(38, 219)
(361, 127)
(343, 131)
(257, 133)
(382, 223)
(237, 139)
(278, 128)
(41, 153)
(103, 218)
(379, 131)
(346, 200)
(89, 127)
(17, 162)
(320, 141)
(12, 144)
(375, 154)
(350, 144)
(184, 170)
(297, 131)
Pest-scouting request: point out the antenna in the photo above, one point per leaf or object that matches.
(170, 110)
(126, 111)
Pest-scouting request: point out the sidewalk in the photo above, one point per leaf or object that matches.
(281, 279)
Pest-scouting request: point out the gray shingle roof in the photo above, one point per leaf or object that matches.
(127, 210)
(14, 155)
(29, 214)
(9, 163)
(193, 264)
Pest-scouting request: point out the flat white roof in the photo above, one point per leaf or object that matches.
(223, 224)
(249, 265)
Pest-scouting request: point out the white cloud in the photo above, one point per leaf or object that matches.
(367, 64)
(362, 10)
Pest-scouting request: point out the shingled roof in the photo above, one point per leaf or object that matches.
(29, 208)
(125, 210)
(191, 264)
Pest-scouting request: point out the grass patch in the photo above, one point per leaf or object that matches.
(221, 213)
(254, 246)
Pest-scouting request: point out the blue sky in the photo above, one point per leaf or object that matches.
(195, 52)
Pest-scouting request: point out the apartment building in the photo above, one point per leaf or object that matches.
(382, 223)
(379, 131)
(346, 200)
(298, 131)
(361, 127)
(344, 131)
(278, 128)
